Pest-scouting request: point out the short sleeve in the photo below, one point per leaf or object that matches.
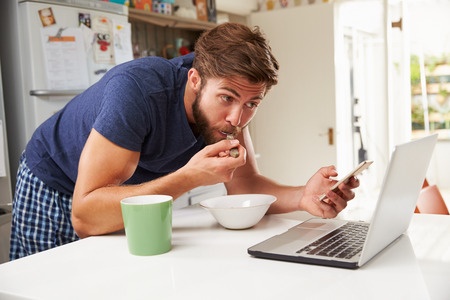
(124, 114)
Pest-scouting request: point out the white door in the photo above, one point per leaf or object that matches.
(308, 120)
(291, 128)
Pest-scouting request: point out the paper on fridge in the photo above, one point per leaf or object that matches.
(103, 46)
(122, 42)
(65, 58)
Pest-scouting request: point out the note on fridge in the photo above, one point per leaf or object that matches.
(65, 58)
(122, 42)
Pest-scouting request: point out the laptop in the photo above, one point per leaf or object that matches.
(316, 241)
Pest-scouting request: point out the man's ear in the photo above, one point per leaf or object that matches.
(194, 80)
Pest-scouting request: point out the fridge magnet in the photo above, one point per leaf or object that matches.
(47, 17)
(103, 45)
(84, 18)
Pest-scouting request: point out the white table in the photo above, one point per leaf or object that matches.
(210, 262)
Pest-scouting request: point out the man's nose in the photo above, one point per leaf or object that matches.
(234, 117)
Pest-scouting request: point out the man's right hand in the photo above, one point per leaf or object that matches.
(213, 164)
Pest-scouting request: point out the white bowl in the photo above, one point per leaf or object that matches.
(238, 211)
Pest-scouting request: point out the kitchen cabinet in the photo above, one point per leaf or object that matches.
(163, 35)
(167, 20)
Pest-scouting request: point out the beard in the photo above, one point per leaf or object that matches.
(204, 128)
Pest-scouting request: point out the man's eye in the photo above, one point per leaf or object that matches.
(252, 105)
(226, 98)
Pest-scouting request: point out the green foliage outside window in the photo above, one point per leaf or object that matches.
(438, 92)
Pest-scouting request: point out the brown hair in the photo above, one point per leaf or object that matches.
(233, 49)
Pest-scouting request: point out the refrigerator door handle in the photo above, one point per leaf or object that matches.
(46, 93)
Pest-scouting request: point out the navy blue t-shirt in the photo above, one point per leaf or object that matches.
(137, 105)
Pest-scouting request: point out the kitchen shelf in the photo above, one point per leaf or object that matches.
(168, 21)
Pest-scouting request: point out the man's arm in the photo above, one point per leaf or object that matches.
(105, 166)
(102, 170)
(247, 179)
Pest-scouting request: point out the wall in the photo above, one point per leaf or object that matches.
(237, 7)
(438, 172)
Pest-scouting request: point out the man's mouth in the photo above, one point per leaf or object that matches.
(227, 134)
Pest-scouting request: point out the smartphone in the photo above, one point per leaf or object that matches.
(361, 167)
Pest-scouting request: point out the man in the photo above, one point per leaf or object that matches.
(154, 126)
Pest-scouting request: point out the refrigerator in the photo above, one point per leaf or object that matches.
(5, 186)
(52, 51)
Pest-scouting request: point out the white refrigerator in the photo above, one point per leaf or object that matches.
(5, 187)
(52, 51)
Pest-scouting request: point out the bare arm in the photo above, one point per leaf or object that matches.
(104, 167)
(247, 179)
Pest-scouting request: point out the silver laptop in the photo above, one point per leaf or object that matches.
(348, 244)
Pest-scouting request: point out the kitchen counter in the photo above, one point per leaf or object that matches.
(210, 262)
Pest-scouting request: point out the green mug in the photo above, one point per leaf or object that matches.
(148, 224)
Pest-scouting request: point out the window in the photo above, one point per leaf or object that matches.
(430, 68)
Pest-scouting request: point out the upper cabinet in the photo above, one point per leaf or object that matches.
(170, 35)
(139, 15)
(163, 35)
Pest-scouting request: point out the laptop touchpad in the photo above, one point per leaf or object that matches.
(312, 229)
(302, 234)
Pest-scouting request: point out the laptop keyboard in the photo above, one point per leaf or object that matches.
(344, 242)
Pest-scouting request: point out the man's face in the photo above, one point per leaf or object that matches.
(225, 106)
